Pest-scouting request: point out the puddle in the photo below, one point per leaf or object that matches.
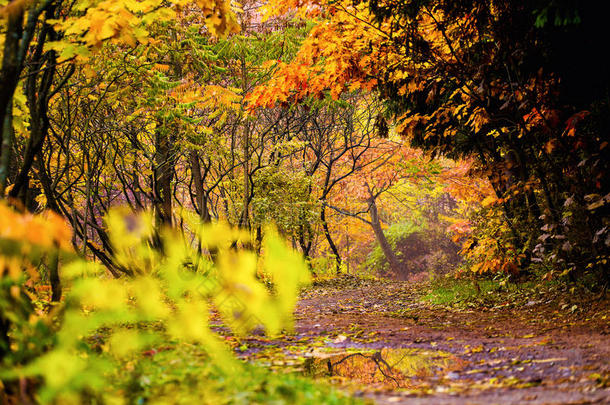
(354, 363)
(388, 367)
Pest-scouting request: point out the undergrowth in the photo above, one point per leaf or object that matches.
(477, 292)
(184, 375)
(451, 290)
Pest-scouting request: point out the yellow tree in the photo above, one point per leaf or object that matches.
(69, 32)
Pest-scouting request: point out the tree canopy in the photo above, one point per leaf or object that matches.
(168, 164)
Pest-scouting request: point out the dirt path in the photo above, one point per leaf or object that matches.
(529, 353)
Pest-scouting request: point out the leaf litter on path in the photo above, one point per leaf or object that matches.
(381, 341)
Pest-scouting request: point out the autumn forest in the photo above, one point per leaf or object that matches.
(304, 202)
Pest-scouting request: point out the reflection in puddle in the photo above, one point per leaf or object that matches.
(393, 367)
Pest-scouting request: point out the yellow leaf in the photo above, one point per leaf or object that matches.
(489, 201)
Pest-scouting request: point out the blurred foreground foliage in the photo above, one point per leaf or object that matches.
(68, 351)
(183, 375)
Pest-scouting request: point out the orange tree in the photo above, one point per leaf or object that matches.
(376, 192)
(489, 80)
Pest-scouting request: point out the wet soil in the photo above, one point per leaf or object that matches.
(529, 352)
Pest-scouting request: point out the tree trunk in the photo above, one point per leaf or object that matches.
(201, 195)
(244, 220)
(17, 39)
(163, 174)
(38, 90)
(305, 240)
(6, 146)
(388, 252)
(54, 277)
(9, 78)
(329, 239)
(4, 340)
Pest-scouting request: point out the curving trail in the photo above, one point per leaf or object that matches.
(514, 353)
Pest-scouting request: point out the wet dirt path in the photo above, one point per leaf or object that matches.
(527, 353)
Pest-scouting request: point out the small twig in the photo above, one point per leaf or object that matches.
(377, 359)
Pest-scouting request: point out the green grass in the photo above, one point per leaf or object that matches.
(455, 291)
(488, 292)
(473, 292)
(184, 375)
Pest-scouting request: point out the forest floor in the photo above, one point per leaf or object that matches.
(386, 342)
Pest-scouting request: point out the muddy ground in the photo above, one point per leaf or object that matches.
(383, 342)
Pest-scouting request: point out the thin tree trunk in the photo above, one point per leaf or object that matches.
(54, 277)
(6, 147)
(9, 78)
(4, 339)
(244, 221)
(163, 174)
(388, 252)
(305, 242)
(329, 239)
(17, 41)
(201, 196)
